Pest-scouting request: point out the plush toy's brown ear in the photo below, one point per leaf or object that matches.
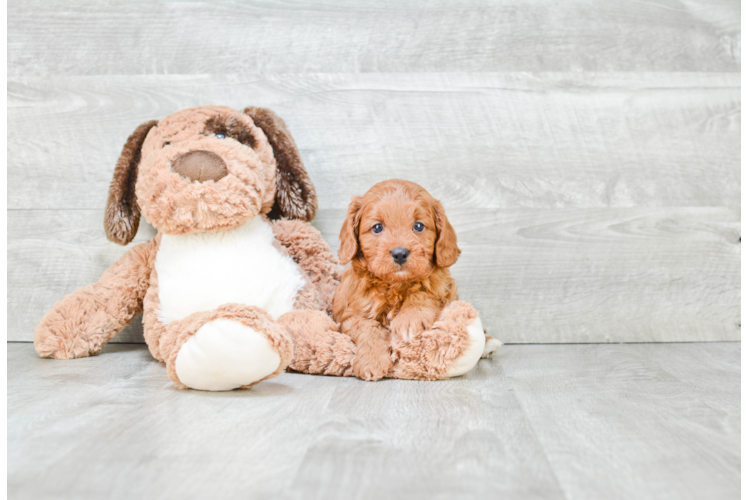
(445, 251)
(295, 197)
(349, 232)
(122, 215)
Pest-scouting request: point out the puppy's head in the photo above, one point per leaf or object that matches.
(207, 169)
(398, 232)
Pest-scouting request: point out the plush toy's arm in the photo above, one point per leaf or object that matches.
(306, 247)
(84, 321)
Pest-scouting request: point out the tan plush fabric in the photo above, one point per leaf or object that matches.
(306, 247)
(319, 347)
(275, 183)
(84, 321)
(179, 205)
(429, 355)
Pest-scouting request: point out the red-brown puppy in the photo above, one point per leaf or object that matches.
(401, 246)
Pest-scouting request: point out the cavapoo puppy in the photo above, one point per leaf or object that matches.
(401, 245)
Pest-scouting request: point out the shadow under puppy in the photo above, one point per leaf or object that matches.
(398, 300)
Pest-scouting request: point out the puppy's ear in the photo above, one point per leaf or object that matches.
(349, 232)
(445, 251)
(122, 215)
(295, 197)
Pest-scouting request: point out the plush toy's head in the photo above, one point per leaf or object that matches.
(207, 169)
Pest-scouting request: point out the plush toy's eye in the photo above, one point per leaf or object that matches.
(220, 136)
(419, 227)
(378, 228)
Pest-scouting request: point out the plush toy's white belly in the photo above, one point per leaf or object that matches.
(200, 272)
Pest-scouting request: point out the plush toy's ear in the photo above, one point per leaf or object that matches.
(445, 251)
(349, 232)
(295, 197)
(122, 215)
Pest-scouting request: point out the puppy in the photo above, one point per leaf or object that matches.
(401, 245)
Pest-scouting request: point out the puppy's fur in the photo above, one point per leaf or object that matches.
(380, 301)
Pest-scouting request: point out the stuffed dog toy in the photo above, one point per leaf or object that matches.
(397, 300)
(226, 290)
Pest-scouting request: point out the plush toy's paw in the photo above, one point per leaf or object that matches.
(74, 328)
(59, 344)
(492, 345)
(468, 359)
(225, 354)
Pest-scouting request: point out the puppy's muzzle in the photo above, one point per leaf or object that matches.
(400, 255)
(200, 166)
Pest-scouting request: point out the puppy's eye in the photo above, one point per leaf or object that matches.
(220, 136)
(378, 228)
(419, 227)
(167, 144)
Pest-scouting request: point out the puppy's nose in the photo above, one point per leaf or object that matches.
(400, 255)
(200, 166)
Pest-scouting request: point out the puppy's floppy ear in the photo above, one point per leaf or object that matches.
(122, 215)
(445, 251)
(295, 197)
(349, 232)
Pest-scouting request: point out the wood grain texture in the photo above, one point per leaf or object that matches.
(744, 288)
(588, 152)
(621, 422)
(553, 422)
(52, 253)
(135, 38)
(497, 140)
(571, 275)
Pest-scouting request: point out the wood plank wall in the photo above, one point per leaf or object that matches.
(588, 153)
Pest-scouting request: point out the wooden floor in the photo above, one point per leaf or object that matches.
(617, 421)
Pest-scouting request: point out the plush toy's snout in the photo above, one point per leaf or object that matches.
(200, 166)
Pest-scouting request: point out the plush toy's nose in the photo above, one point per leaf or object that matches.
(400, 255)
(200, 166)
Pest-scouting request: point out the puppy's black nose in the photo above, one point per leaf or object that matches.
(400, 255)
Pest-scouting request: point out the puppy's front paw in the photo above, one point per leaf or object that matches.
(371, 362)
(409, 324)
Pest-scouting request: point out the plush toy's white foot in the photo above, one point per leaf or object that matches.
(492, 345)
(224, 355)
(472, 354)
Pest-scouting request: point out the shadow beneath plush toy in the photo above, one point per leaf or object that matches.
(262, 390)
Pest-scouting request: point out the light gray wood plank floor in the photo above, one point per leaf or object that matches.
(645, 421)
